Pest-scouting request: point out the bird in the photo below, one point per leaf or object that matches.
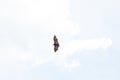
(56, 43)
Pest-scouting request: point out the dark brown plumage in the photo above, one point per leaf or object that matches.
(56, 43)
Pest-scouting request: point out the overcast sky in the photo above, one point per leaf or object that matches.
(87, 30)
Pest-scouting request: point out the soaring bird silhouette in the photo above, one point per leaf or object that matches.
(56, 43)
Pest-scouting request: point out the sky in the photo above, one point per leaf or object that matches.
(88, 34)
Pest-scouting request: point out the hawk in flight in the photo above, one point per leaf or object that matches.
(56, 44)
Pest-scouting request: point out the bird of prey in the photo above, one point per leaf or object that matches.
(56, 43)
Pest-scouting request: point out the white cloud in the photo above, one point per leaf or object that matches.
(48, 16)
(72, 47)
(91, 44)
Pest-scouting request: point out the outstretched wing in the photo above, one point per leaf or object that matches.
(56, 44)
(55, 48)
